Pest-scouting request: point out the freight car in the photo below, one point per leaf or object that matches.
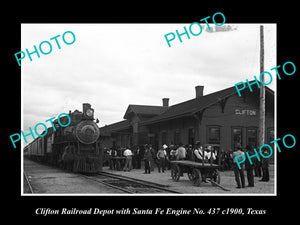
(75, 147)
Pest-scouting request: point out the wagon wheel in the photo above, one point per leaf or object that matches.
(175, 172)
(196, 177)
(190, 175)
(216, 177)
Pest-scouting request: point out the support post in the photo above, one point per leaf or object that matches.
(262, 94)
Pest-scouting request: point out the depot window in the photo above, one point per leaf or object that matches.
(236, 136)
(213, 135)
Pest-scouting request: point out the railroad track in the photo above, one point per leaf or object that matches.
(130, 185)
(27, 184)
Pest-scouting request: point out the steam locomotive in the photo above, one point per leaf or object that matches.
(75, 147)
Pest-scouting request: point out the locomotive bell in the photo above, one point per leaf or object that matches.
(88, 112)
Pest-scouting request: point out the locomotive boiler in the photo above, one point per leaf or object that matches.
(75, 147)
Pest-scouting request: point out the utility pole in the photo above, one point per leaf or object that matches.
(262, 94)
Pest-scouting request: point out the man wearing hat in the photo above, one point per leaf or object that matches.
(180, 152)
(265, 165)
(238, 173)
(172, 153)
(249, 167)
(161, 156)
(209, 155)
(147, 159)
(198, 152)
(128, 162)
(189, 152)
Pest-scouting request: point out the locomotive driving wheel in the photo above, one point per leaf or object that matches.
(175, 172)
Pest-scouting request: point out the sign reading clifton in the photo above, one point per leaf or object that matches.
(220, 118)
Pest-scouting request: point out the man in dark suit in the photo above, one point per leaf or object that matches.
(238, 172)
(265, 165)
(147, 159)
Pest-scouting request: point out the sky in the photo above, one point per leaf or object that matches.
(113, 65)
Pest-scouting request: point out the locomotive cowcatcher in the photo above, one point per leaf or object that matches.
(75, 147)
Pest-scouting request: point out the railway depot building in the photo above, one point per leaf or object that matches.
(220, 118)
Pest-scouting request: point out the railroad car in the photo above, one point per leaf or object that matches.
(75, 147)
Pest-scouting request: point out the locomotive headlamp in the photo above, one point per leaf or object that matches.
(89, 112)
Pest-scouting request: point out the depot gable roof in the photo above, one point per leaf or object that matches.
(144, 110)
(107, 129)
(187, 108)
(190, 107)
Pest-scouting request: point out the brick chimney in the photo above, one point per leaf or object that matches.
(165, 102)
(199, 91)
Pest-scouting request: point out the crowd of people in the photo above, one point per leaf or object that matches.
(259, 167)
(130, 158)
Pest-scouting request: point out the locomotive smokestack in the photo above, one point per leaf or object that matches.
(85, 106)
(88, 112)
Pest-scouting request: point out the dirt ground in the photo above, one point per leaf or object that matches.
(49, 180)
(185, 186)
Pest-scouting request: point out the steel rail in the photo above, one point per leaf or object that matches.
(141, 182)
(132, 181)
(28, 183)
(107, 184)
